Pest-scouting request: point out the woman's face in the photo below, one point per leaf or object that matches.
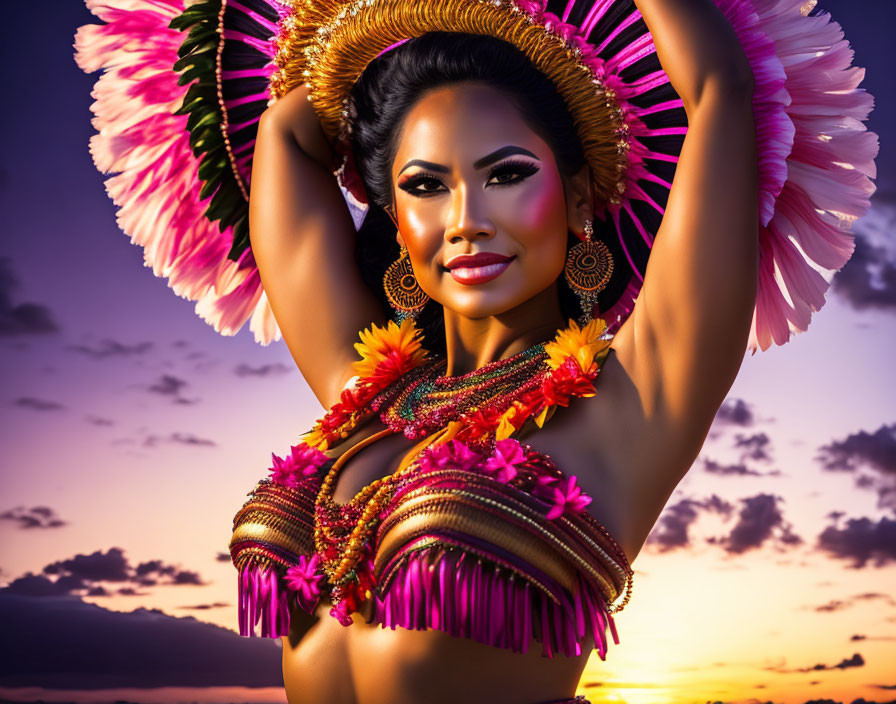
(479, 201)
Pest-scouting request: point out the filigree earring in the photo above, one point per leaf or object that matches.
(589, 266)
(402, 290)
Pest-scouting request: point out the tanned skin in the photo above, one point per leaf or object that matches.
(672, 362)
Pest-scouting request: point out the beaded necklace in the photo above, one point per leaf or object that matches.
(430, 400)
(482, 407)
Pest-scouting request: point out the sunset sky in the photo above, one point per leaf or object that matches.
(131, 433)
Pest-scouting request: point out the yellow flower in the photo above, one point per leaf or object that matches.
(315, 438)
(581, 343)
(377, 343)
(506, 428)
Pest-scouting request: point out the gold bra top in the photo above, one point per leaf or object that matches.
(495, 546)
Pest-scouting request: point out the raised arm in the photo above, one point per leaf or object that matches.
(686, 337)
(303, 241)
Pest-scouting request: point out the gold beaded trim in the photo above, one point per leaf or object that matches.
(327, 44)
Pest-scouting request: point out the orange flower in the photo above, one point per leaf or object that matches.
(582, 344)
(381, 344)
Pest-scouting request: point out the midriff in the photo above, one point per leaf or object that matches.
(369, 664)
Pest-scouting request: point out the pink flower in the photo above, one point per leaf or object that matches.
(569, 497)
(508, 454)
(306, 459)
(454, 454)
(304, 579)
(303, 461)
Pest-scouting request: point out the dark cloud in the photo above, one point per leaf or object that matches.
(222, 557)
(876, 450)
(759, 519)
(108, 347)
(178, 439)
(34, 517)
(91, 575)
(168, 385)
(753, 447)
(107, 649)
(38, 404)
(862, 541)
(206, 607)
(275, 369)
(736, 469)
(102, 422)
(871, 457)
(846, 663)
(868, 280)
(21, 318)
(841, 604)
(671, 531)
(171, 386)
(735, 411)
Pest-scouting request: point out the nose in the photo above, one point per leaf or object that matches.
(468, 217)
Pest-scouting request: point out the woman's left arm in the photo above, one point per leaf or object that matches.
(686, 337)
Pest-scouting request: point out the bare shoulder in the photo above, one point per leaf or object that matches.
(623, 453)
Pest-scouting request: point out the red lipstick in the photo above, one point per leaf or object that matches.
(478, 268)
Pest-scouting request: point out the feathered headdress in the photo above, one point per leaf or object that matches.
(185, 84)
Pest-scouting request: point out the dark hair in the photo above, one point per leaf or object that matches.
(382, 98)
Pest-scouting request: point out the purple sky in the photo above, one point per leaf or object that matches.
(141, 429)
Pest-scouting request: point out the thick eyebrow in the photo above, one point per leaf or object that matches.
(496, 155)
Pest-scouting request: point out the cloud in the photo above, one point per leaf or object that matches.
(22, 318)
(738, 469)
(34, 517)
(275, 369)
(868, 280)
(108, 347)
(206, 607)
(109, 649)
(178, 439)
(735, 411)
(171, 386)
(840, 605)
(90, 575)
(671, 531)
(223, 557)
(874, 452)
(38, 404)
(862, 541)
(102, 422)
(759, 519)
(753, 447)
(846, 663)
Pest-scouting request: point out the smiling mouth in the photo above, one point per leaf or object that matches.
(477, 268)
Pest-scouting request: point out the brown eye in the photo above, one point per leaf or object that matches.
(421, 185)
(511, 172)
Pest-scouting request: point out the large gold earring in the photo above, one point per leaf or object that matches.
(402, 290)
(589, 266)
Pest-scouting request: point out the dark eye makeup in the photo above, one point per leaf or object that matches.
(508, 172)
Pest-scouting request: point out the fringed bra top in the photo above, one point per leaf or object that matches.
(487, 540)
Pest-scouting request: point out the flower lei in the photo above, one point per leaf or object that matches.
(574, 358)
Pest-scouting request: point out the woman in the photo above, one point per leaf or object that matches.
(471, 505)
(657, 394)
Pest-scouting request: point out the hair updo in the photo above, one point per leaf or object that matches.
(381, 99)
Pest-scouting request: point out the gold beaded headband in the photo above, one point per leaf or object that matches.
(328, 44)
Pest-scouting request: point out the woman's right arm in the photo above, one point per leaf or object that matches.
(303, 240)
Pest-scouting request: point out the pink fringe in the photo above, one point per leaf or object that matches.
(263, 602)
(465, 598)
